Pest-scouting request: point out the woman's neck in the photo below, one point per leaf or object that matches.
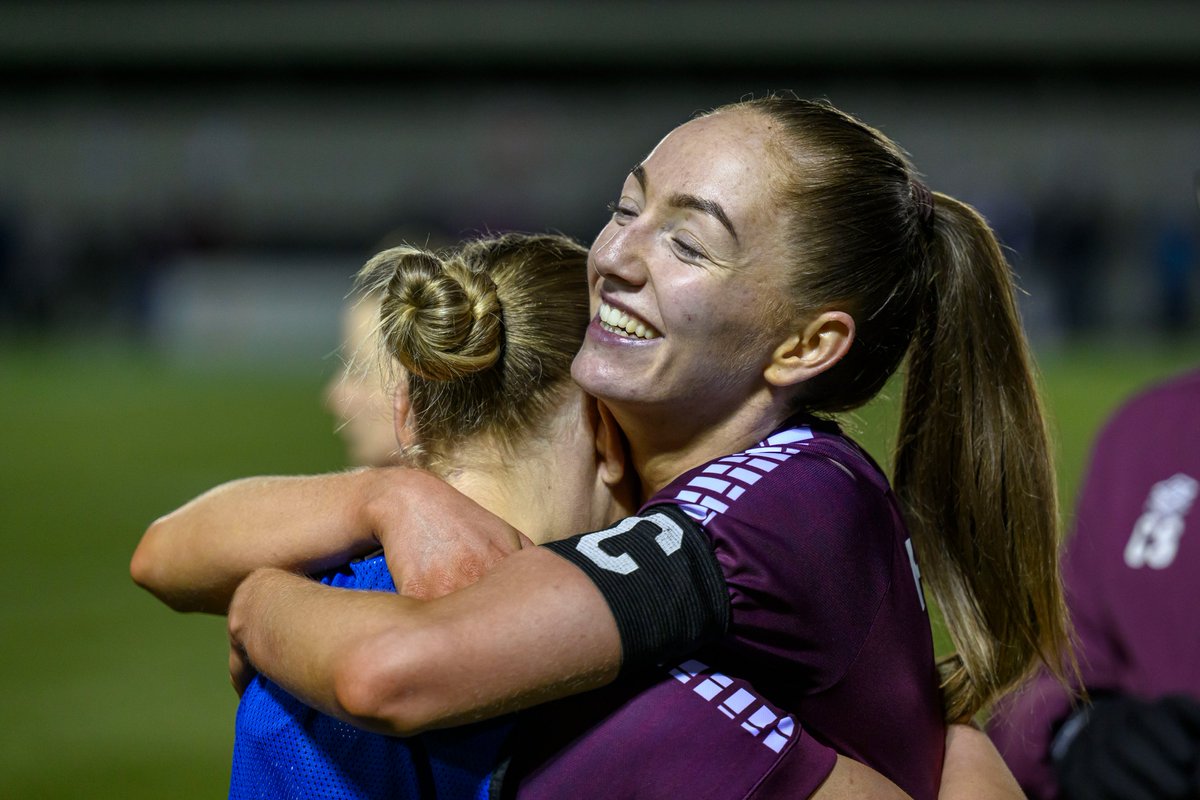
(665, 446)
(523, 495)
(482, 486)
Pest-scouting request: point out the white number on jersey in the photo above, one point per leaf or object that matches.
(1156, 534)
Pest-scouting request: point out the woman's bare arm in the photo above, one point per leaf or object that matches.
(533, 629)
(193, 558)
(436, 539)
(973, 768)
(851, 780)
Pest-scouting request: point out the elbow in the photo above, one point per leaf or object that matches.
(384, 684)
(146, 565)
(150, 567)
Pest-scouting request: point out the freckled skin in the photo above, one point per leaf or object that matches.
(715, 338)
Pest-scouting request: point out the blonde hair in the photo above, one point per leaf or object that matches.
(486, 331)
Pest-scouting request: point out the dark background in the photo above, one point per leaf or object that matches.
(186, 188)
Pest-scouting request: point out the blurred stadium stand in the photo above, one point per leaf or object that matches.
(141, 136)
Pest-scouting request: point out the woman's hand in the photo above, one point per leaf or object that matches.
(435, 539)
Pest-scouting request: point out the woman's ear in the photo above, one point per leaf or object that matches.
(613, 474)
(611, 456)
(823, 342)
(402, 418)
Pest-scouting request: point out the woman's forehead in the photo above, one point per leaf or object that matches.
(722, 157)
(739, 134)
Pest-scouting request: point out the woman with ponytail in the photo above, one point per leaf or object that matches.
(766, 266)
(923, 275)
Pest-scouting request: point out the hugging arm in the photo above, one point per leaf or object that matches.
(193, 558)
(397, 665)
(536, 628)
(974, 769)
(545, 623)
(533, 629)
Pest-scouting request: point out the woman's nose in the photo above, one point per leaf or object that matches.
(619, 253)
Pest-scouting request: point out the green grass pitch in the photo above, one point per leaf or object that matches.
(107, 694)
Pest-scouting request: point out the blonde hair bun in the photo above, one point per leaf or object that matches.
(439, 317)
(486, 332)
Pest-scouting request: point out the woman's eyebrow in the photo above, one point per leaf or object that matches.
(710, 207)
(639, 172)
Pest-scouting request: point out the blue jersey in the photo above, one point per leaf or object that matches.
(646, 749)
(285, 749)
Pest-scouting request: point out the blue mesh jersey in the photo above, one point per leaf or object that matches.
(285, 749)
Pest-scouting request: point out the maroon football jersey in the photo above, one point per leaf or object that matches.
(824, 613)
(1131, 571)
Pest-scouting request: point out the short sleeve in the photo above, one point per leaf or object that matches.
(692, 731)
(806, 539)
(787, 552)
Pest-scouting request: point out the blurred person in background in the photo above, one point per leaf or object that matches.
(1175, 252)
(1132, 576)
(1070, 243)
(358, 397)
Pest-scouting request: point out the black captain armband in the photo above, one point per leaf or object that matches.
(658, 573)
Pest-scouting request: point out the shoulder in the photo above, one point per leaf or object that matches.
(1142, 473)
(805, 474)
(1157, 404)
(1184, 386)
(809, 541)
(798, 518)
(1155, 431)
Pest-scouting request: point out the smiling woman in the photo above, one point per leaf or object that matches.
(788, 256)
(766, 263)
(672, 259)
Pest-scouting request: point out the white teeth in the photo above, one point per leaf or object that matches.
(618, 321)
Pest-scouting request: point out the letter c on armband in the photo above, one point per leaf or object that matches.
(661, 580)
(669, 539)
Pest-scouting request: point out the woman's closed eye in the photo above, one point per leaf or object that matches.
(688, 251)
(622, 211)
